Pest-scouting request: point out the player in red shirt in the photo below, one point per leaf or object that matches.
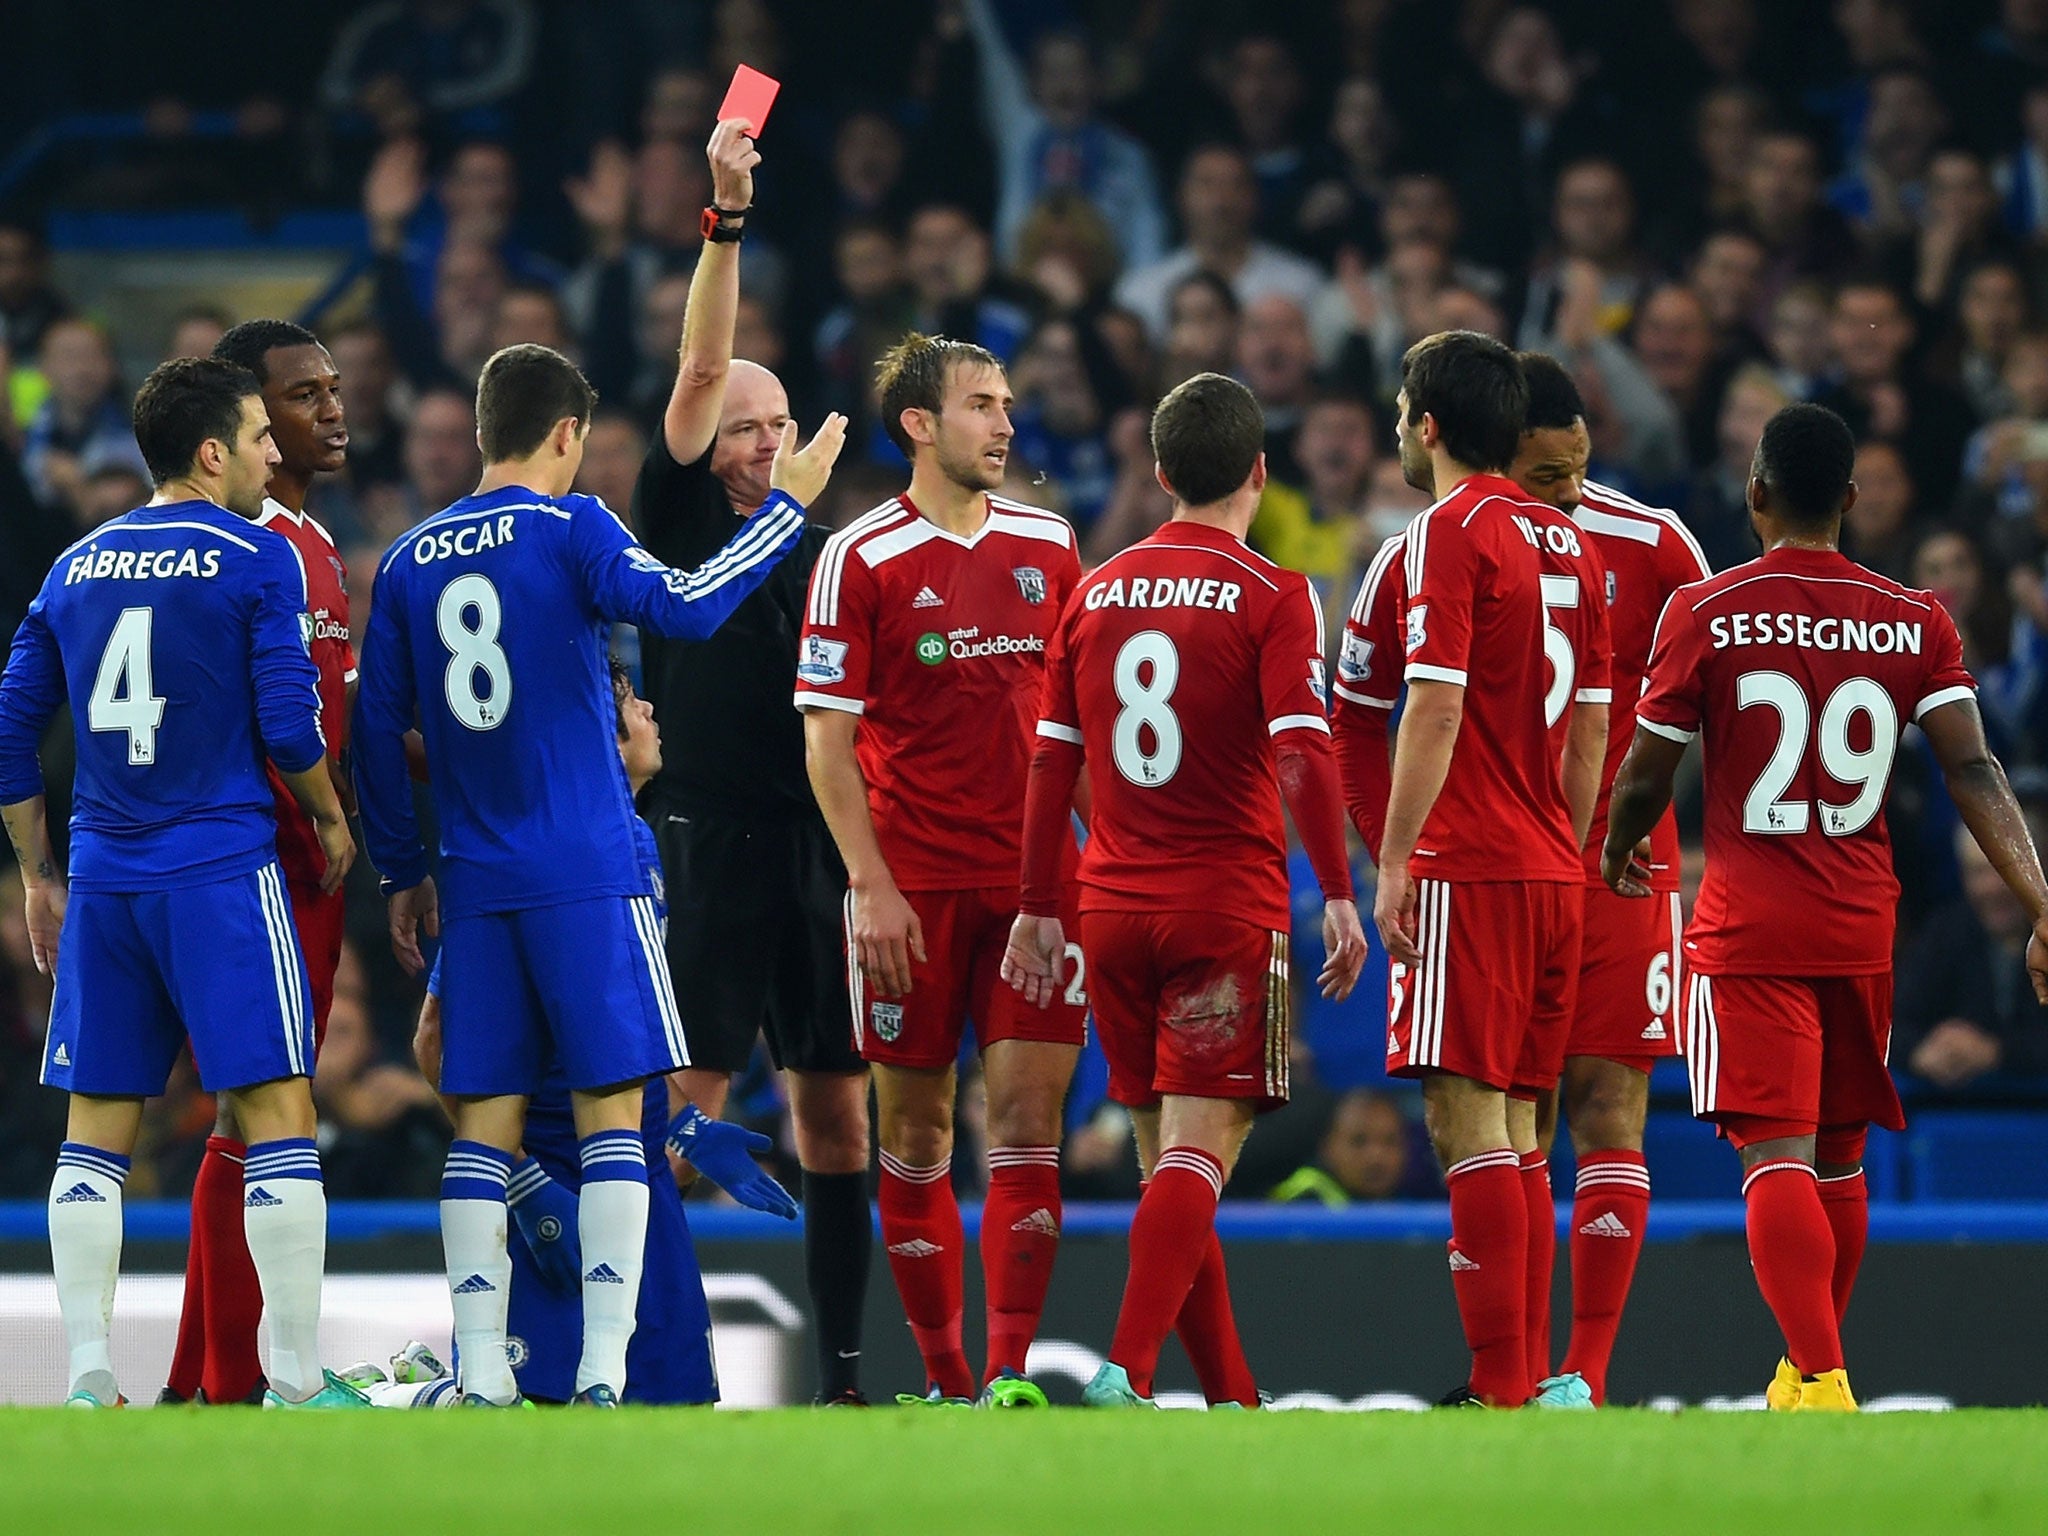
(1800, 670)
(1478, 899)
(1576, 702)
(1188, 674)
(918, 671)
(1629, 964)
(216, 1350)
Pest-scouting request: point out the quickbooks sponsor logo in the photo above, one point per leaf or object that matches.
(931, 648)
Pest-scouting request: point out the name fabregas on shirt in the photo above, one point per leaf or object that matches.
(141, 565)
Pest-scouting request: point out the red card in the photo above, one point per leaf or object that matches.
(750, 96)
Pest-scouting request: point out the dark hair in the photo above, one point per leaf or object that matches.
(912, 375)
(1207, 434)
(184, 403)
(1474, 387)
(1202, 277)
(521, 394)
(622, 690)
(249, 343)
(1805, 459)
(1554, 400)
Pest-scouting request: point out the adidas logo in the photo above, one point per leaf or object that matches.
(1459, 1263)
(916, 1248)
(63, 1056)
(1655, 1031)
(259, 1196)
(604, 1274)
(475, 1285)
(1039, 1221)
(1606, 1224)
(81, 1194)
(927, 598)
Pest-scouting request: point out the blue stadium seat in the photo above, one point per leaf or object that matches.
(1978, 1154)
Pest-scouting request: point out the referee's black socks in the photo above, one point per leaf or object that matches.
(838, 1240)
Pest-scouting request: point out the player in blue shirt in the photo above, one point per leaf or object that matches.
(490, 623)
(669, 1360)
(178, 634)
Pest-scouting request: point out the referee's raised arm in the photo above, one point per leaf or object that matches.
(691, 419)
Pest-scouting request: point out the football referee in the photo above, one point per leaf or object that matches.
(755, 884)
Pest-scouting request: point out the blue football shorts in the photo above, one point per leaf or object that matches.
(584, 983)
(138, 973)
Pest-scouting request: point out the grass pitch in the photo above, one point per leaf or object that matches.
(804, 1470)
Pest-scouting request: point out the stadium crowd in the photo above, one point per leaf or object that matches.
(1842, 202)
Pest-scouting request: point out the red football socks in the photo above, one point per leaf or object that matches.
(1793, 1253)
(188, 1359)
(1489, 1271)
(1020, 1238)
(1208, 1332)
(231, 1297)
(1847, 1204)
(921, 1230)
(1541, 1205)
(1170, 1239)
(1610, 1210)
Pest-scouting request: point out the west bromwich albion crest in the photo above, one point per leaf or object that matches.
(1030, 583)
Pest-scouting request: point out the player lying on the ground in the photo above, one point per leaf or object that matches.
(175, 632)
(1187, 675)
(1800, 670)
(490, 624)
(669, 1359)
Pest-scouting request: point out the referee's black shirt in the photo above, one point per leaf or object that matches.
(732, 741)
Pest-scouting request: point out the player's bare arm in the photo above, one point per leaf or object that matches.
(1422, 759)
(28, 829)
(1585, 755)
(1642, 788)
(885, 932)
(314, 789)
(691, 419)
(1977, 783)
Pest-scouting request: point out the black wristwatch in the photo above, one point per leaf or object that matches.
(717, 230)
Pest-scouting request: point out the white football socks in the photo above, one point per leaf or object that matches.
(284, 1217)
(85, 1254)
(611, 1226)
(473, 1240)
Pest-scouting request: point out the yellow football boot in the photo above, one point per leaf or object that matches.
(1826, 1393)
(1782, 1395)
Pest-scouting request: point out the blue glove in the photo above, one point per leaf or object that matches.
(723, 1153)
(545, 1214)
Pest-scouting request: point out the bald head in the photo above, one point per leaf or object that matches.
(749, 428)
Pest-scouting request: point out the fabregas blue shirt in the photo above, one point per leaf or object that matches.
(178, 633)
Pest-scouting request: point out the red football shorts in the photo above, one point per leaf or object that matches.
(320, 918)
(965, 933)
(1629, 978)
(1810, 1049)
(1492, 999)
(1192, 1003)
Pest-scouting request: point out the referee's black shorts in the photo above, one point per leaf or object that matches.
(757, 940)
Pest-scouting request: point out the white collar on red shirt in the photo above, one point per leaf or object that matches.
(273, 508)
